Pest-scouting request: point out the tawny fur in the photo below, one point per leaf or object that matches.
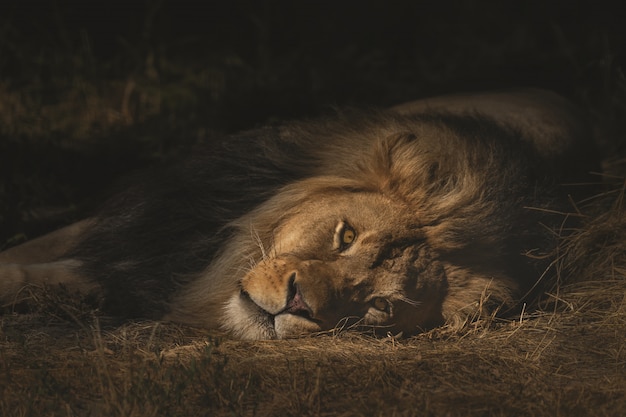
(442, 198)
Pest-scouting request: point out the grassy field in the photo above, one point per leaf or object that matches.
(91, 92)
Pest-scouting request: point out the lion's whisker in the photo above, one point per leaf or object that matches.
(413, 303)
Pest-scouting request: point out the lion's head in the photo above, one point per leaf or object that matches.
(341, 257)
(369, 250)
(424, 226)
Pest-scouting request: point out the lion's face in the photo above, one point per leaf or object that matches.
(341, 259)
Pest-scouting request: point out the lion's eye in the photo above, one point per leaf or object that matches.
(345, 235)
(381, 304)
(348, 236)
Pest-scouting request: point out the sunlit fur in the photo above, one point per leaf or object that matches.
(445, 204)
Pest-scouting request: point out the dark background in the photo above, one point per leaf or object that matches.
(92, 90)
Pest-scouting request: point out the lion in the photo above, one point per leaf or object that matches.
(430, 213)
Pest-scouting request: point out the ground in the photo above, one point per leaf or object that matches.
(89, 92)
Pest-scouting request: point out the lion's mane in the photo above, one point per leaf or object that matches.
(186, 234)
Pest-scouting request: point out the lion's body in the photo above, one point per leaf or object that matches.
(403, 219)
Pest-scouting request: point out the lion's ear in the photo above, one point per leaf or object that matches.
(381, 161)
(390, 148)
(400, 165)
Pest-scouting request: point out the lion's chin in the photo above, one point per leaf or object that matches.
(246, 320)
(288, 325)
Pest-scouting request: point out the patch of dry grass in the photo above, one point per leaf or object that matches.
(570, 365)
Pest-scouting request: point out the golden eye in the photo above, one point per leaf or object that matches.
(345, 235)
(380, 303)
(348, 236)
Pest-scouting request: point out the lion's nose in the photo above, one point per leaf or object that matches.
(295, 302)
